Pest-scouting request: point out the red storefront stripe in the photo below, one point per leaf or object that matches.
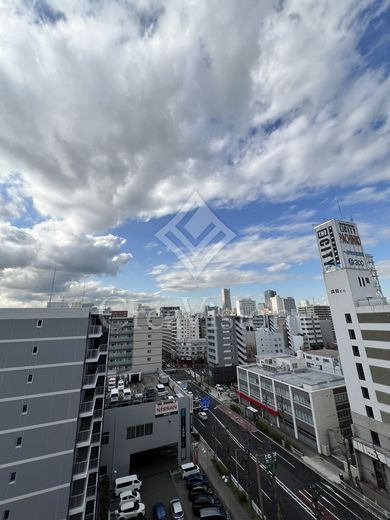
(258, 403)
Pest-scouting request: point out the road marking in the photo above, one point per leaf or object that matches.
(254, 435)
(200, 422)
(238, 464)
(285, 460)
(219, 442)
(334, 498)
(309, 497)
(264, 493)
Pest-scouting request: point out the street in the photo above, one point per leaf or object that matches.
(289, 492)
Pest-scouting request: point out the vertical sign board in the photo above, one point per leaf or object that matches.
(183, 427)
(340, 246)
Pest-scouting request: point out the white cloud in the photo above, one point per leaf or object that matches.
(281, 266)
(106, 117)
(367, 194)
(383, 268)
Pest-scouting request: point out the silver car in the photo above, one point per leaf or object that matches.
(176, 509)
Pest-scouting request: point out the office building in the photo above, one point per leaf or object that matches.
(53, 371)
(304, 332)
(361, 319)
(325, 360)
(169, 311)
(225, 300)
(246, 307)
(149, 420)
(226, 346)
(324, 315)
(269, 342)
(283, 306)
(267, 298)
(303, 403)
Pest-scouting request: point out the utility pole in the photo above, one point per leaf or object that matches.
(259, 487)
(270, 465)
(316, 495)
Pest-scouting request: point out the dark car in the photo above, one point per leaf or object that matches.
(195, 480)
(159, 512)
(199, 490)
(201, 501)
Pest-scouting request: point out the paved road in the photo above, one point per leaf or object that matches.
(237, 446)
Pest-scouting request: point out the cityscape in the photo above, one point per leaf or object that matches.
(194, 261)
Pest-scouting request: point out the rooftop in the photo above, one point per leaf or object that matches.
(326, 352)
(306, 379)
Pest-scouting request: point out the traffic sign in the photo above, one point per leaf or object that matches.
(205, 402)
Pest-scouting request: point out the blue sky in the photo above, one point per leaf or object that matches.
(116, 114)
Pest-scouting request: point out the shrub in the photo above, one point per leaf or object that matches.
(241, 495)
(235, 408)
(222, 469)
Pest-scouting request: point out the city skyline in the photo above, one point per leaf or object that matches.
(114, 136)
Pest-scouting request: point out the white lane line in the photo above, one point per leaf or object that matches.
(200, 422)
(333, 491)
(309, 497)
(254, 435)
(238, 464)
(219, 442)
(285, 460)
(264, 493)
(342, 505)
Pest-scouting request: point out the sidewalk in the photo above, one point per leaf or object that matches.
(237, 510)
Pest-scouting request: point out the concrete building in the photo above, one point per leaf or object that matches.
(190, 352)
(148, 421)
(147, 343)
(226, 300)
(269, 342)
(325, 360)
(259, 321)
(246, 307)
(324, 315)
(304, 332)
(169, 311)
(283, 306)
(267, 298)
(120, 347)
(361, 318)
(225, 346)
(304, 403)
(53, 369)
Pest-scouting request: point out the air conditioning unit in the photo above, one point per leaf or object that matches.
(325, 449)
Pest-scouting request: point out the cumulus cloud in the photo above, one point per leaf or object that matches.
(129, 108)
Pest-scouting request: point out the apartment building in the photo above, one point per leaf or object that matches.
(304, 403)
(53, 369)
(269, 342)
(325, 360)
(361, 318)
(304, 332)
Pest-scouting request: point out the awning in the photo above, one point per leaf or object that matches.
(258, 403)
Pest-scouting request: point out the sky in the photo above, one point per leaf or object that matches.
(158, 151)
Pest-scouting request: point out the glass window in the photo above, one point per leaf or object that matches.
(12, 477)
(352, 334)
(140, 430)
(360, 371)
(375, 438)
(370, 412)
(348, 318)
(148, 428)
(355, 350)
(35, 349)
(365, 393)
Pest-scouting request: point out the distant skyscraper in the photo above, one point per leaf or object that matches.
(267, 298)
(246, 307)
(361, 318)
(226, 301)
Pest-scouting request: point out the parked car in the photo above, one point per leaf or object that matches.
(130, 510)
(111, 382)
(128, 483)
(219, 387)
(202, 416)
(212, 513)
(121, 385)
(201, 501)
(177, 511)
(188, 469)
(202, 489)
(159, 512)
(194, 480)
(128, 496)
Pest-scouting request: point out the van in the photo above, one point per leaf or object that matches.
(127, 496)
(188, 469)
(127, 393)
(161, 391)
(114, 394)
(129, 483)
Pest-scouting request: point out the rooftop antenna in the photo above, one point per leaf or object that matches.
(52, 283)
(82, 297)
(338, 205)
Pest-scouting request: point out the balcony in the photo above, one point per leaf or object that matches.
(95, 331)
(93, 354)
(80, 469)
(89, 381)
(76, 501)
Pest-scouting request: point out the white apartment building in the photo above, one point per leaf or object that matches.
(304, 403)
(269, 342)
(147, 343)
(281, 305)
(304, 332)
(246, 307)
(191, 350)
(187, 327)
(325, 360)
(361, 318)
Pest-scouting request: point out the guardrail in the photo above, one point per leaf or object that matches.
(370, 504)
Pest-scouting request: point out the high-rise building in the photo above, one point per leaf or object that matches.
(225, 299)
(361, 318)
(288, 305)
(53, 370)
(170, 311)
(304, 332)
(246, 307)
(267, 298)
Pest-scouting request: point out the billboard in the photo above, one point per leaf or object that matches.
(166, 407)
(340, 246)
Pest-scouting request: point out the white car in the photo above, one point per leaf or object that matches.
(202, 416)
(219, 388)
(130, 510)
(121, 385)
(129, 496)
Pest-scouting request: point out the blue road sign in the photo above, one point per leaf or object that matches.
(205, 402)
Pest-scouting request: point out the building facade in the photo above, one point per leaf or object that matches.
(303, 403)
(361, 318)
(325, 360)
(226, 302)
(267, 298)
(246, 307)
(53, 370)
(269, 342)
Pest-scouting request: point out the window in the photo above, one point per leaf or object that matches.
(375, 438)
(367, 280)
(18, 442)
(148, 429)
(149, 335)
(149, 343)
(149, 351)
(24, 409)
(39, 324)
(360, 371)
(149, 359)
(369, 412)
(35, 349)
(365, 393)
(355, 350)
(30, 378)
(105, 437)
(348, 318)
(12, 477)
(140, 430)
(6, 514)
(131, 432)
(352, 334)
